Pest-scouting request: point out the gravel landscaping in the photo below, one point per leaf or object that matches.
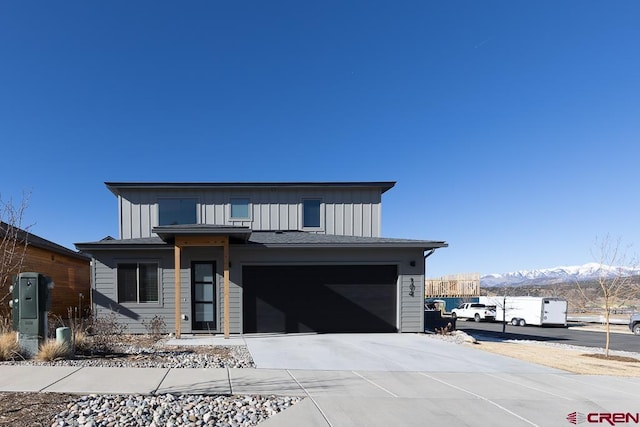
(48, 409)
(169, 410)
(157, 356)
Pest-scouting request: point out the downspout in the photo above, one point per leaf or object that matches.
(427, 256)
(424, 278)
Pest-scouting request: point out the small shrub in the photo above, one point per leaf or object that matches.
(106, 332)
(52, 350)
(9, 346)
(155, 327)
(445, 330)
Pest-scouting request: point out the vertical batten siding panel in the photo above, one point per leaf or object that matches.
(357, 219)
(348, 218)
(126, 219)
(339, 214)
(283, 216)
(264, 212)
(145, 225)
(208, 214)
(154, 215)
(218, 214)
(366, 220)
(235, 310)
(274, 217)
(135, 220)
(294, 224)
(376, 220)
(168, 294)
(329, 219)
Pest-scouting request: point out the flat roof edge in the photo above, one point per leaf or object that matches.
(384, 185)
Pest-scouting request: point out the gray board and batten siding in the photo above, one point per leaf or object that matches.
(269, 237)
(408, 260)
(352, 209)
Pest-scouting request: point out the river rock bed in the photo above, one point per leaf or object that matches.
(136, 353)
(171, 410)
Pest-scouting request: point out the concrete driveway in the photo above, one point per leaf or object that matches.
(378, 352)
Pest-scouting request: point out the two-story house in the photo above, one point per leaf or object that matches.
(238, 258)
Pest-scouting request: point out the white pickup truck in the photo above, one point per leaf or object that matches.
(475, 311)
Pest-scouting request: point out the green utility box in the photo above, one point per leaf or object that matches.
(31, 301)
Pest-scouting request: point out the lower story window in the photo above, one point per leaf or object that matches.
(138, 283)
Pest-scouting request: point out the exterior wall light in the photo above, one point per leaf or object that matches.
(412, 288)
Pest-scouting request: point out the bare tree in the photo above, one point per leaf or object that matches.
(616, 281)
(13, 242)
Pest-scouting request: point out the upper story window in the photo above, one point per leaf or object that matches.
(138, 283)
(311, 213)
(177, 211)
(240, 208)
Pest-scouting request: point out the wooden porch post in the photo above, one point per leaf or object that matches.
(226, 286)
(176, 256)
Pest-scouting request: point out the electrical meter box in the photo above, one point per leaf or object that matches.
(31, 301)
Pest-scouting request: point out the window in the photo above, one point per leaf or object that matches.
(138, 283)
(177, 211)
(311, 213)
(240, 208)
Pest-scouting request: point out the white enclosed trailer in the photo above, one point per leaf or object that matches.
(521, 311)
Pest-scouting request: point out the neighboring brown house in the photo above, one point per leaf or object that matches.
(70, 271)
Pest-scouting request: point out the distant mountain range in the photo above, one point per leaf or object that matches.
(555, 275)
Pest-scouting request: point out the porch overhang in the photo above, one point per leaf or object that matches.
(168, 233)
(182, 236)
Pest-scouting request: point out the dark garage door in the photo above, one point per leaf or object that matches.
(339, 298)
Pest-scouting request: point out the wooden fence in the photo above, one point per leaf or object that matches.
(455, 285)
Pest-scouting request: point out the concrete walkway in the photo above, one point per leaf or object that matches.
(361, 398)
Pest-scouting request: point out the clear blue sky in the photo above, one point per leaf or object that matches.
(511, 127)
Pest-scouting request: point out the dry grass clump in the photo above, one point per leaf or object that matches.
(52, 350)
(6, 325)
(82, 342)
(612, 357)
(9, 346)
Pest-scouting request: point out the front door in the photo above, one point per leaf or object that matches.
(203, 295)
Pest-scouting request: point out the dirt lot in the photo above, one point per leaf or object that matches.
(579, 361)
(31, 409)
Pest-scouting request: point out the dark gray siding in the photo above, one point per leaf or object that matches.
(105, 297)
(410, 308)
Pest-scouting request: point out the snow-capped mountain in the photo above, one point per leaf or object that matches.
(555, 275)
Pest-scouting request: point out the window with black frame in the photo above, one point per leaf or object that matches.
(311, 213)
(177, 211)
(138, 283)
